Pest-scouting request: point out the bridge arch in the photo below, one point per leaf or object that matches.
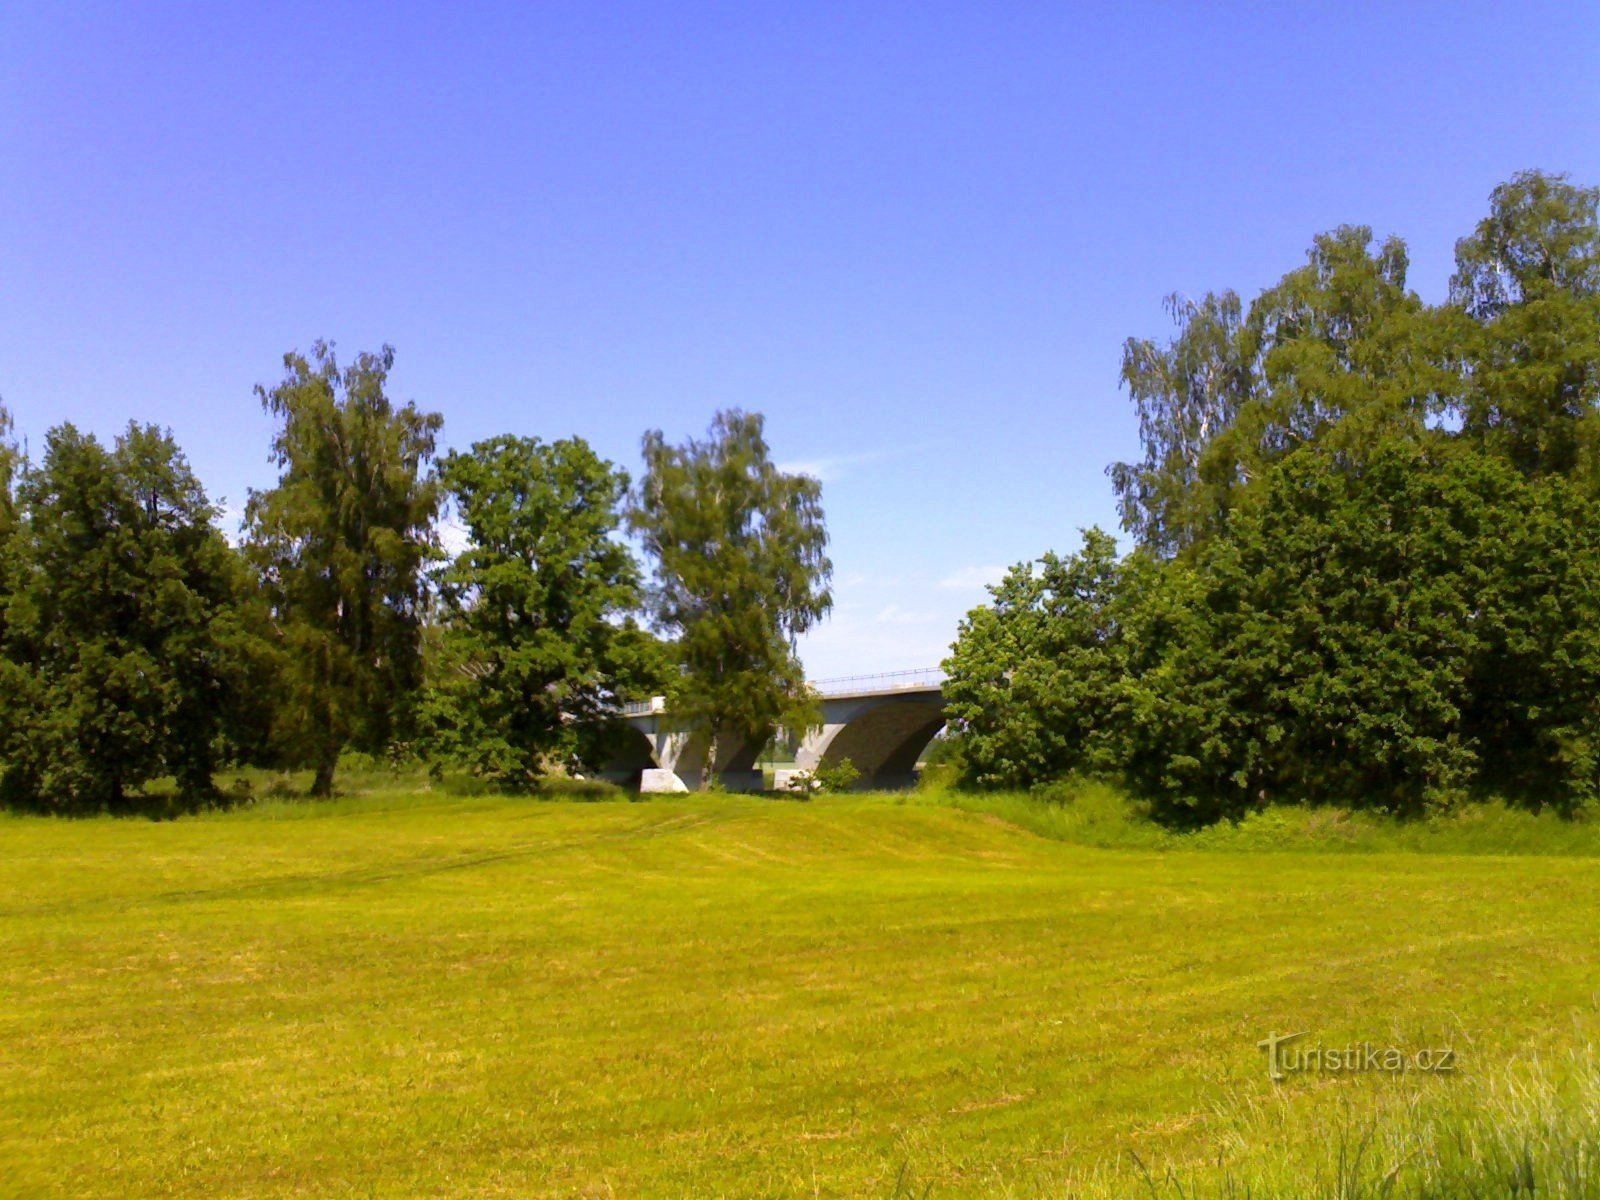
(883, 737)
(629, 754)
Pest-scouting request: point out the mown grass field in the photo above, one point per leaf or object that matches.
(416, 995)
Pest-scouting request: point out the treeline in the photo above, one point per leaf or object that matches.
(1367, 545)
(137, 643)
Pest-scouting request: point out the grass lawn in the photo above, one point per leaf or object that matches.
(418, 995)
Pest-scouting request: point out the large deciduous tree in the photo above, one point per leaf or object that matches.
(122, 632)
(536, 602)
(741, 571)
(342, 542)
(1528, 280)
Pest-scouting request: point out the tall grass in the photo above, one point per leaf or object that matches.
(1095, 814)
(1533, 1132)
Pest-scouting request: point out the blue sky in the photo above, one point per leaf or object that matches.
(914, 236)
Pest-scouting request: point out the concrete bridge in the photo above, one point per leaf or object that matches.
(881, 723)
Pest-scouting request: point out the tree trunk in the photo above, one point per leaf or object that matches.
(196, 786)
(322, 785)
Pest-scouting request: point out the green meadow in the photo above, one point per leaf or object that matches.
(411, 993)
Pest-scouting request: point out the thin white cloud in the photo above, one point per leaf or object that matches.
(830, 468)
(893, 614)
(972, 579)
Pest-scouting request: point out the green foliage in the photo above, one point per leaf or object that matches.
(592, 790)
(1368, 568)
(1031, 675)
(1093, 813)
(740, 572)
(124, 643)
(641, 664)
(341, 543)
(10, 460)
(1397, 633)
(536, 652)
(1337, 647)
(840, 776)
(837, 777)
(1538, 241)
(1528, 284)
(1185, 394)
(1339, 350)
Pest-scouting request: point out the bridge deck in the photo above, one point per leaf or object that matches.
(845, 687)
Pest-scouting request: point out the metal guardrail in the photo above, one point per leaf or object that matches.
(885, 681)
(917, 680)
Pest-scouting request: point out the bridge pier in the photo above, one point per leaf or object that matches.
(661, 758)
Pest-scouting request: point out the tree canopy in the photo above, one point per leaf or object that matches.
(536, 602)
(342, 543)
(123, 643)
(1367, 544)
(741, 571)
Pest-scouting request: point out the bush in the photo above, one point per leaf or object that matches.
(828, 777)
(578, 789)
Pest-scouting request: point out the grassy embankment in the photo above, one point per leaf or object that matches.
(404, 993)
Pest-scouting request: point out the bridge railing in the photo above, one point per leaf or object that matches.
(884, 681)
(919, 680)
